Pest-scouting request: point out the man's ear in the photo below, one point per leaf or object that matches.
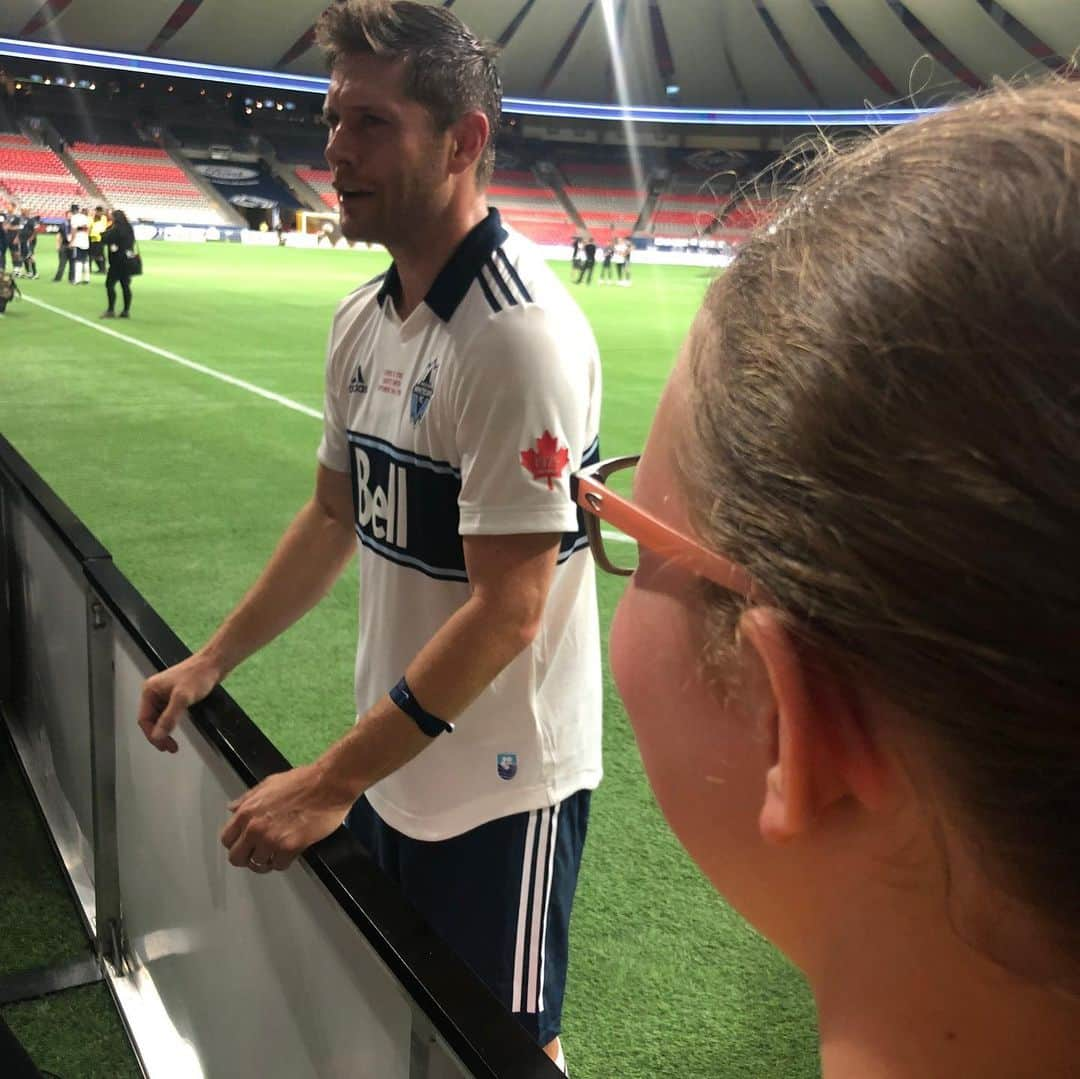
(469, 137)
(820, 752)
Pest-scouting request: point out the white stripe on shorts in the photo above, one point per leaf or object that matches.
(538, 927)
(547, 902)
(517, 1003)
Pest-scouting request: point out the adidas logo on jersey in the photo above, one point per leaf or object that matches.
(383, 513)
(357, 383)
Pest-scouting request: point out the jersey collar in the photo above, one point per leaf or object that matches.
(456, 277)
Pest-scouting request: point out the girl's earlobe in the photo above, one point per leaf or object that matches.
(821, 753)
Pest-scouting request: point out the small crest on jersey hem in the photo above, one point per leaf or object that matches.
(507, 764)
(422, 393)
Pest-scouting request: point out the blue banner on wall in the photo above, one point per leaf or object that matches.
(247, 184)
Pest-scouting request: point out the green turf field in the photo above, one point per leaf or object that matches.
(189, 481)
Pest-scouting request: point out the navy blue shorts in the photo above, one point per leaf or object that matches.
(500, 895)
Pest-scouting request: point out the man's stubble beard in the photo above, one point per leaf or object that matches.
(389, 226)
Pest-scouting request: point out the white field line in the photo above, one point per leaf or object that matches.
(165, 354)
(202, 369)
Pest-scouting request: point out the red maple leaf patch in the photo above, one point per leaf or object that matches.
(548, 461)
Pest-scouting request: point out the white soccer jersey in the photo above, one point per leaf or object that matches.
(467, 419)
(80, 228)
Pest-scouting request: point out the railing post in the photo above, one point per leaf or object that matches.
(109, 928)
(7, 614)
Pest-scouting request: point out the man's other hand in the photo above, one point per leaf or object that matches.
(166, 696)
(275, 822)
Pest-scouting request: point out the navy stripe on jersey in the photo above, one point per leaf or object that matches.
(578, 543)
(497, 277)
(514, 274)
(405, 507)
(493, 303)
(572, 542)
(404, 456)
(402, 559)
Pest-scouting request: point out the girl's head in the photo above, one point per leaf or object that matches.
(877, 416)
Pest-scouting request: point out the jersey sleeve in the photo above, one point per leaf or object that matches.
(334, 449)
(523, 412)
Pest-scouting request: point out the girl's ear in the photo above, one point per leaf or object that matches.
(820, 751)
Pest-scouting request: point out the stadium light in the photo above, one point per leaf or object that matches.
(569, 110)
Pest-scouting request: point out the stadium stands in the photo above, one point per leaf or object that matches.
(295, 149)
(35, 179)
(704, 188)
(321, 182)
(145, 183)
(525, 205)
(606, 195)
(530, 207)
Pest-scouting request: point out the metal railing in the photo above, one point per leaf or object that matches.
(321, 971)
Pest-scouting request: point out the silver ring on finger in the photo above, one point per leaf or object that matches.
(261, 867)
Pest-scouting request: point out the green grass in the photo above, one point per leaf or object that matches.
(76, 1033)
(189, 482)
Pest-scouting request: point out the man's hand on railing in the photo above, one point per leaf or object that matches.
(166, 695)
(275, 822)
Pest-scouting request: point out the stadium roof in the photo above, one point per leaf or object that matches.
(708, 53)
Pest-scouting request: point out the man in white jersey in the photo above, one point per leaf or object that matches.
(80, 244)
(462, 389)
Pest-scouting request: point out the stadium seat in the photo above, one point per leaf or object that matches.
(146, 183)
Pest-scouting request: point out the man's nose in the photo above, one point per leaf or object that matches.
(341, 147)
(334, 151)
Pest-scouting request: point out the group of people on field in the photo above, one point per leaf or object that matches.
(616, 253)
(18, 240)
(78, 244)
(101, 242)
(849, 648)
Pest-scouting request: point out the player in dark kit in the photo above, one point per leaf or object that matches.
(589, 265)
(28, 236)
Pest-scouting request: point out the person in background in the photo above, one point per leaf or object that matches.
(15, 226)
(850, 649)
(624, 248)
(119, 240)
(98, 224)
(28, 237)
(586, 269)
(64, 249)
(5, 241)
(11, 229)
(80, 245)
(605, 265)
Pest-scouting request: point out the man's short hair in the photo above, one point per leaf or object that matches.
(448, 69)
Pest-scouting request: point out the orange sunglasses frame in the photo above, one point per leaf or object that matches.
(588, 490)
